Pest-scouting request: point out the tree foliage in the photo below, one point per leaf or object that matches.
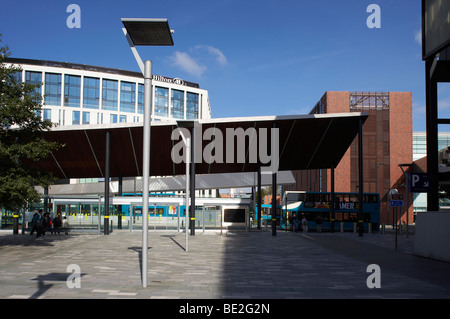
(21, 141)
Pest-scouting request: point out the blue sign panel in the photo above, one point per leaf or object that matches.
(419, 183)
(396, 203)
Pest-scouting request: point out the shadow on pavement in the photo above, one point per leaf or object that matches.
(52, 277)
(139, 251)
(32, 240)
(325, 265)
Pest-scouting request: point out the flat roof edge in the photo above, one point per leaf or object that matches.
(282, 117)
(213, 120)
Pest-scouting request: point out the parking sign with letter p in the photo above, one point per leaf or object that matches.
(419, 183)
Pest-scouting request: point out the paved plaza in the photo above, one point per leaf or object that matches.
(236, 265)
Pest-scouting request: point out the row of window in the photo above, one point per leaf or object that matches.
(420, 142)
(84, 117)
(177, 103)
(340, 197)
(109, 98)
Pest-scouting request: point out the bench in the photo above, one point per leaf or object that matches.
(61, 230)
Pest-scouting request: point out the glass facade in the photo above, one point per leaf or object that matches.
(47, 115)
(72, 90)
(17, 76)
(91, 93)
(177, 104)
(419, 145)
(86, 118)
(109, 95)
(420, 151)
(191, 105)
(52, 89)
(127, 97)
(161, 101)
(62, 117)
(113, 118)
(140, 109)
(443, 141)
(76, 118)
(115, 99)
(34, 78)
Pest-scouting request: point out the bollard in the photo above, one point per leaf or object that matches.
(383, 228)
(15, 224)
(354, 227)
(342, 227)
(369, 228)
(106, 225)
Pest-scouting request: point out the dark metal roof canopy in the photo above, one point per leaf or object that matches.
(305, 142)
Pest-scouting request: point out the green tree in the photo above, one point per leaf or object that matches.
(21, 141)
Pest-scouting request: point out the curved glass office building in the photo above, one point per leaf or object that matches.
(78, 94)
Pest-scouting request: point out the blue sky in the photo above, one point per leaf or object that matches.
(255, 57)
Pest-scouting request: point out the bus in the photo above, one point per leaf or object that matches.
(266, 214)
(317, 205)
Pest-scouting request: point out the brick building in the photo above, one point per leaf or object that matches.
(387, 142)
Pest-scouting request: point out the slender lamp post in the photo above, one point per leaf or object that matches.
(190, 179)
(153, 32)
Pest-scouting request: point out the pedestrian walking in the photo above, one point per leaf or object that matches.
(65, 225)
(304, 224)
(294, 222)
(57, 223)
(319, 224)
(38, 223)
(47, 224)
(34, 223)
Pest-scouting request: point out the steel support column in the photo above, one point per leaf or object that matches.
(274, 204)
(107, 157)
(192, 184)
(332, 201)
(119, 215)
(432, 136)
(361, 179)
(259, 209)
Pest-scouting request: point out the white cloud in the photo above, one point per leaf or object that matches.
(418, 37)
(188, 64)
(195, 62)
(219, 56)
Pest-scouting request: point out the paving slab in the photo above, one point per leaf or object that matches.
(240, 265)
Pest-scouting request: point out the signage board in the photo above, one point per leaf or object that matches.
(397, 197)
(419, 182)
(396, 203)
(234, 216)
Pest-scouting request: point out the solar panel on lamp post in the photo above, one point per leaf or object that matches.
(149, 32)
